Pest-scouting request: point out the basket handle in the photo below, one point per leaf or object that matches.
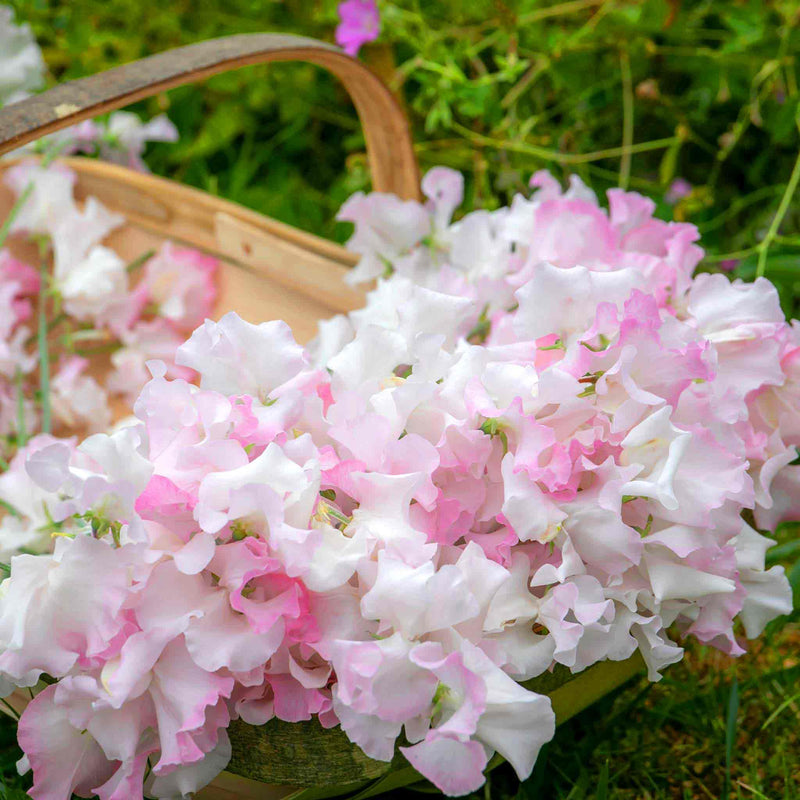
(389, 146)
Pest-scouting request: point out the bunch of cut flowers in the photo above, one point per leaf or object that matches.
(77, 325)
(543, 441)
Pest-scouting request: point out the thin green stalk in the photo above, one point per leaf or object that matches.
(14, 213)
(44, 353)
(11, 710)
(736, 207)
(782, 707)
(13, 510)
(557, 10)
(22, 434)
(764, 245)
(137, 262)
(563, 158)
(627, 119)
(99, 350)
(47, 159)
(525, 82)
(735, 254)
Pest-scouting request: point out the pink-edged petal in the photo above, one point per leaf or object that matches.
(454, 767)
(63, 759)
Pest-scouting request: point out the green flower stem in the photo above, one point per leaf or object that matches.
(10, 709)
(737, 206)
(13, 510)
(764, 244)
(557, 10)
(627, 119)
(138, 262)
(44, 353)
(14, 213)
(735, 254)
(47, 159)
(111, 347)
(22, 434)
(547, 154)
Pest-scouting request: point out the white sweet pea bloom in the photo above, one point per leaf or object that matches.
(21, 63)
(126, 136)
(49, 200)
(93, 284)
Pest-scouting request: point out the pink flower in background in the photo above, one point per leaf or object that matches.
(729, 264)
(360, 23)
(18, 283)
(678, 189)
(179, 284)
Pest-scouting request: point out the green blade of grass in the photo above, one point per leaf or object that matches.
(730, 735)
(602, 783)
(784, 705)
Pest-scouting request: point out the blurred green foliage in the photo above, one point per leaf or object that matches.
(623, 92)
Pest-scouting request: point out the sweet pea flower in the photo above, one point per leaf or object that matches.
(50, 200)
(77, 399)
(125, 137)
(21, 63)
(178, 284)
(678, 189)
(360, 23)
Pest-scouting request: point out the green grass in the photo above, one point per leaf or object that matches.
(671, 739)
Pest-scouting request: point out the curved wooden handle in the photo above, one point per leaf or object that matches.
(389, 146)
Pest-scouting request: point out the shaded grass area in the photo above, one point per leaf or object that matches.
(671, 739)
(12, 787)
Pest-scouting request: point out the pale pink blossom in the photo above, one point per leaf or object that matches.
(678, 190)
(178, 285)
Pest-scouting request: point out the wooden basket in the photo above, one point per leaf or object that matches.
(270, 271)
